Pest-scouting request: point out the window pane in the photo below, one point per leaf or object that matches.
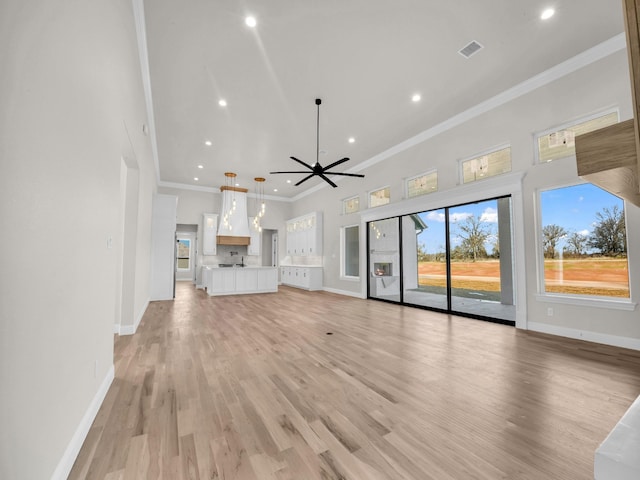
(184, 251)
(351, 205)
(489, 165)
(352, 251)
(584, 242)
(561, 143)
(481, 259)
(422, 184)
(424, 259)
(384, 259)
(379, 197)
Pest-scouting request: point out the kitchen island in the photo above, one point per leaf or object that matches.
(237, 280)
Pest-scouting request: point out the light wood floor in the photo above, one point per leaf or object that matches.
(252, 387)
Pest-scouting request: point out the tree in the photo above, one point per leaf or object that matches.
(551, 235)
(474, 234)
(577, 243)
(422, 253)
(609, 235)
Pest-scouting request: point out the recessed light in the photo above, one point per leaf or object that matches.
(222, 103)
(351, 140)
(208, 143)
(237, 184)
(288, 181)
(548, 13)
(416, 97)
(275, 189)
(200, 166)
(250, 21)
(196, 178)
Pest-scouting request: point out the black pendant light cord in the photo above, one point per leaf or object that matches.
(318, 102)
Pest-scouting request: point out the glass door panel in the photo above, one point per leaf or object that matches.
(424, 253)
(481, 259)
(384, 259)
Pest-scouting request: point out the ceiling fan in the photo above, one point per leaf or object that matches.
(318, 169)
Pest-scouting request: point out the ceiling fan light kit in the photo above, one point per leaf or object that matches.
(317, 169)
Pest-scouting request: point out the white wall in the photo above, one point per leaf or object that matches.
(601, 85)
(71, 107)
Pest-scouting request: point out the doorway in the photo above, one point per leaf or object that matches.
(186, 253)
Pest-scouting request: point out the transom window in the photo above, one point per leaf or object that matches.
(487, 165)
(560, 141)
(351, 205)
(379, 197)
(422, 184)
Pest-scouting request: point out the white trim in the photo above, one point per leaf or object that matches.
(588, 57)
(344, 292)
(132, 329)
(116, 328)
(143, 54)
(584, 301)
(73, 448)
(604, 338)
(563, 126)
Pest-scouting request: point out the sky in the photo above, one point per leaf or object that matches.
(573, 208)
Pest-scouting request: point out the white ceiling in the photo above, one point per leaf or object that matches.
(363, 58)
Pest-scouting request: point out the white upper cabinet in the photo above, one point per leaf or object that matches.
(304, 235)
(209, 232)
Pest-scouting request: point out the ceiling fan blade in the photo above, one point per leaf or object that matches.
(327, 180)
(298, 171)
(342, 160)
(305, 179)
(345, 174)
(302, 163)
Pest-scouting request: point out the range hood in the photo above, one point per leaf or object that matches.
(234, 224)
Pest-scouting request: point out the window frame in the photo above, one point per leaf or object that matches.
(614, 303)
(424, 174)
(564, 126)
(189, 258)
(344, 204)
(343, 253)
(370, 192)
(483, 153)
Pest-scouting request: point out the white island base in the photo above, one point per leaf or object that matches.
(240, 280)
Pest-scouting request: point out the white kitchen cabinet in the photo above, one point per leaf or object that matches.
(209, 232)
(255, 240)
(306, 277)
(267, 277)
(304, 235)
(222, 280)
(246, 280)
(238, 280)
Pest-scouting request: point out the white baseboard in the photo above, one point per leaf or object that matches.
(343, 292)
(614, 340)
(131, 329)
(116, 328)
(70, 454)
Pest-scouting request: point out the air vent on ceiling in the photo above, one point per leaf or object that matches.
(470, 49)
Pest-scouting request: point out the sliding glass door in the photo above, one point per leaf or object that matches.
(456, 259)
